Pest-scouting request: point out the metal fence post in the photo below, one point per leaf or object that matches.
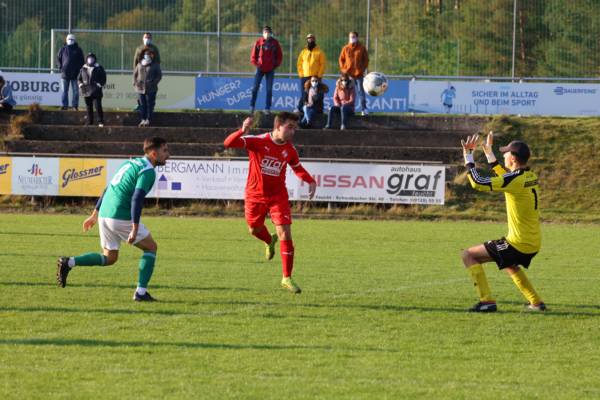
(218, 35)
(122, 51)
(51, 50)
(368, 23)
(207, 53)
(70, 15)
(514, 38)
(39, 50)
(376, 52)
(457, 57)
(291, 50)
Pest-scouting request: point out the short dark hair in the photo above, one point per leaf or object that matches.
(353, 33)
(153, 143)
(285, 116)
(147, 34)
(267, 28)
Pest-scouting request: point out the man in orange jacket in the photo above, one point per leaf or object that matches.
(354, 60)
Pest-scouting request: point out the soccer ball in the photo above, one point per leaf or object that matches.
(375, 83)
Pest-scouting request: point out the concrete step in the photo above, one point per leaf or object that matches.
(354, 137)
(234, 119)
(447, 155)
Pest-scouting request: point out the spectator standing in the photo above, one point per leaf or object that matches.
(7, 101)
(311, 63)
(266, 56)
(92, 79)
(354, 61)
(312, 100)
(343, 101)
(147, 44)
(146, 76)
(70, 60)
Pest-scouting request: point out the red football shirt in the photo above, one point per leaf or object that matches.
(268, 164)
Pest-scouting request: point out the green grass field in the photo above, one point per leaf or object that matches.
(382, 315)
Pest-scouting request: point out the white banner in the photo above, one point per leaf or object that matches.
(504, 98)
(174, 92)
(35, 176)
(43, 89)
(336, 182)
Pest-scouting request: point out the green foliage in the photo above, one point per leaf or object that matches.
(381, 316)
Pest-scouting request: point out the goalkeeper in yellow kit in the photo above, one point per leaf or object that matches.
(523, 241)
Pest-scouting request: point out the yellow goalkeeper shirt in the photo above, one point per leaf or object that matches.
(522, 192)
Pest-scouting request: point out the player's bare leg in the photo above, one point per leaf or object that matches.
(286, 247)
(473, 258)
(146, 266)
(520, 280)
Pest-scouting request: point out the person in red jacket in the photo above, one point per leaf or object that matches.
(266, 56)
(266, 192)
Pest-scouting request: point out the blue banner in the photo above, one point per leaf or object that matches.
(231, 93)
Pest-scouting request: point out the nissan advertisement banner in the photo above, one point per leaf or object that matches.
(226, 179)
(233, 93)
(504, 98)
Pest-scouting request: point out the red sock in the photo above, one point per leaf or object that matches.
(263, 234)
(287, 257)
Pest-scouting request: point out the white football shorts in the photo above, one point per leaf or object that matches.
(115, 231)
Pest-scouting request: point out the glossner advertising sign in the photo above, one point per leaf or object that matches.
(226, 179)
(232, 93)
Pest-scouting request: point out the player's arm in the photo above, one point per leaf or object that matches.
(303, 175)
(142, 188)
(235, 140)
(92, 219)
(484, 184)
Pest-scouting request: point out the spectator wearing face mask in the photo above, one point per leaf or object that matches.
(354, 61)
(147, 44)
(266, 56)
(7, 101)
(312, 100)
(311, 63)
(343, 101)
(92, 79)
(69, 61)
(146, 76)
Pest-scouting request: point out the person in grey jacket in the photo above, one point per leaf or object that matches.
(69, 61)
(92, 79)
(7, 101)
(146, 76)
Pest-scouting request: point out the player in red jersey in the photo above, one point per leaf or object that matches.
(269, 154)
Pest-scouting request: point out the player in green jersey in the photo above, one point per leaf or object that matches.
(118, 213)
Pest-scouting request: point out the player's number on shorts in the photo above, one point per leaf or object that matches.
(119, 175)
(535, 204)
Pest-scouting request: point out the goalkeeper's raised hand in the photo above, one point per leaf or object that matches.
(469, 147)
(487, 148)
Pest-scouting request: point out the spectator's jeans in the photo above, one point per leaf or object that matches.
(147, 102)
(309, 114)
(346, 111)
(302, 82)
(5, 107)
(65, 92)
(89, 105)
(360, 91)
(257, 79)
